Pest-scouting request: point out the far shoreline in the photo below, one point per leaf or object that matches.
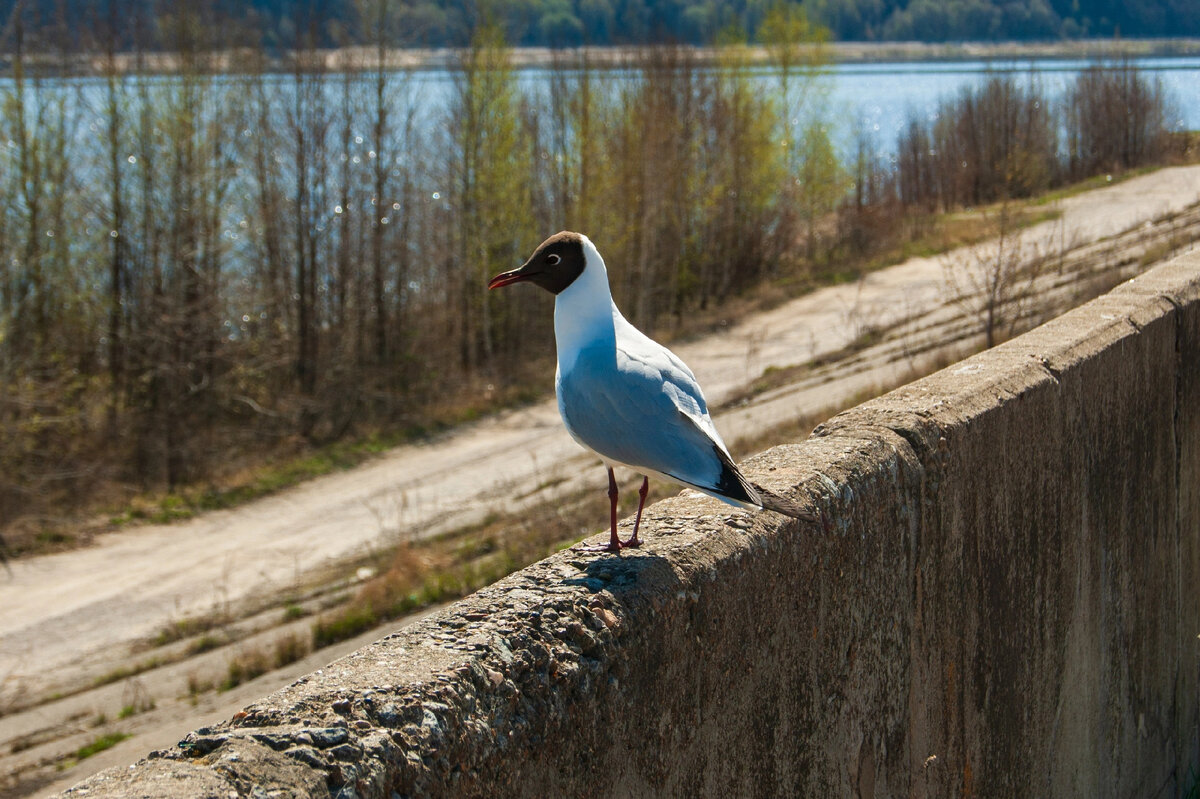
(365, 58)
(875, 52)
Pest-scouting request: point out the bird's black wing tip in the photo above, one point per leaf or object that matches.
(731, 483)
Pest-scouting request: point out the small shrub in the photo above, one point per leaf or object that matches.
(245, 666)
(343, 624)
(289, 649)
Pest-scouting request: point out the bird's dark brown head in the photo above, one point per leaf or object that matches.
(554, 265)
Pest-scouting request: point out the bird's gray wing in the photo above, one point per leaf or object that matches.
(642, 412)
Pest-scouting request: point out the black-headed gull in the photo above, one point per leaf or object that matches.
(623, 395)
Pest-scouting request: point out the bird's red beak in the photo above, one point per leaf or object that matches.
(524, 272)
(507, 279)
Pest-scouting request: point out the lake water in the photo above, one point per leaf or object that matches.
(881, 96)
(876, 97)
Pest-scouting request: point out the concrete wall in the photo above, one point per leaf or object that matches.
(1005, 601)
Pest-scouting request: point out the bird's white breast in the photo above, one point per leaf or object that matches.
(584, 312)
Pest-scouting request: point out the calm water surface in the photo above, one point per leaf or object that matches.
(877, 97)
(882, 96)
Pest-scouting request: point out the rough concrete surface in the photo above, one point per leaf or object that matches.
(1002, 601)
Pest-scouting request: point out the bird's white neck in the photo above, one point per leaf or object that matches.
(584, 311)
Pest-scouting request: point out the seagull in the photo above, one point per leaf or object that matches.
(623, 395)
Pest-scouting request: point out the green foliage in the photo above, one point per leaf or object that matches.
(821, 181)
(413, 583)
(792, 39)
(490, 187)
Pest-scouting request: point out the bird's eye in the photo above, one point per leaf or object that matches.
(553, 259)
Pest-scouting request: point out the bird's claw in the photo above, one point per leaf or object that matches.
(609, 548)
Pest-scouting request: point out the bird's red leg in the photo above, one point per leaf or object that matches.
(614, 542)
(637, 522)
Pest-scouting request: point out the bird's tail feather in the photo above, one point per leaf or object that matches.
(783, 505)
(733, 487)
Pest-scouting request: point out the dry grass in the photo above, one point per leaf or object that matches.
(453, 565)
(245, 666)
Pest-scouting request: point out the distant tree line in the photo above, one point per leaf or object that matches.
(280, 24)
(989, 20)
(202, 271)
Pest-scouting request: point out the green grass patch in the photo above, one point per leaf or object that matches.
(125, 672)
(1088, 184)
(53, 538)
(293, 612)
(205, 643)
(141, 703)
(271, 478)
(105, 741)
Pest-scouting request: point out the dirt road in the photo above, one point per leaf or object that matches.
(67, 617)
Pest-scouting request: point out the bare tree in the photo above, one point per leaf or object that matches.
(1116, 118)
(994, 281)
